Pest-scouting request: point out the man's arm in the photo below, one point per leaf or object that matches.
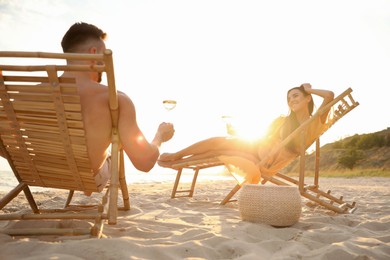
(142, 154)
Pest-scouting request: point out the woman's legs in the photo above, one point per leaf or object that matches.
(203, 146)
(211, 144)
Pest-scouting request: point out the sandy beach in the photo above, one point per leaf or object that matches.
(158, 227)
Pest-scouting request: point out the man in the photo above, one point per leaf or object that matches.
(87, 38)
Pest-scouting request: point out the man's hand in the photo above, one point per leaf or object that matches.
(166, 131)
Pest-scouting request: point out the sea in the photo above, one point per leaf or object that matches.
(8, 180)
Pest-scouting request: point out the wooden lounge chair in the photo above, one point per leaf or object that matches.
(341, 105)
(42, 137)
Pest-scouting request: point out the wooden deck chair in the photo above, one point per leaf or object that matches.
(42, 136)
(340, 106)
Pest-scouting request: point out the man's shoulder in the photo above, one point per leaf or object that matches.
(125, 102)
(123, 96)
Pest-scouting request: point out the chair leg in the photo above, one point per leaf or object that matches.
(114, 182)
(123, 184)
(21, 186)
(342, 208)
(317, 163)
(15, 191)
(231, 194)
(320, 197)
(30, 199)
(177, 180)
(194, 182)
(69, 199)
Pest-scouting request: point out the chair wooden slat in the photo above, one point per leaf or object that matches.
(41, 106)
(39, 97)
(50, 117)
(45, 129)
(65, 89)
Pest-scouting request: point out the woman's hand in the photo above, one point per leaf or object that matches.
(306, 87)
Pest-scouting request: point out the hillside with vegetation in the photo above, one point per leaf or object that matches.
(367, 154)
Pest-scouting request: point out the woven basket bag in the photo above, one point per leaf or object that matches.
(273, 205)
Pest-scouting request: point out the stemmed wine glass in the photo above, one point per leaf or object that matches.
(229, 125)
(169, 104)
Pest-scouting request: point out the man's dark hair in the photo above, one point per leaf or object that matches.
(78, 34)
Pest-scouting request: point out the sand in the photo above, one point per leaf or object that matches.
(158, 227)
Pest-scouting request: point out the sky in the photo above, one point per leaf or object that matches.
(225, 58)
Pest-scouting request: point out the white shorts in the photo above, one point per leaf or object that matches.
(103, 175)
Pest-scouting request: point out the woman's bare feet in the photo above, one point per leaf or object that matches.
(166, 160)
(165, 164)
(165, 157)
(169, 161)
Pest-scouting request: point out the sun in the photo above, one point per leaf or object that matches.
(244, 128)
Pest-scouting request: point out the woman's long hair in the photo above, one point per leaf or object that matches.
(291, 122)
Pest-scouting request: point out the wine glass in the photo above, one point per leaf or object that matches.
(169, 104)
(229, 125)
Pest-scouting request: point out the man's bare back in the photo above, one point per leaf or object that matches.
(97, 121)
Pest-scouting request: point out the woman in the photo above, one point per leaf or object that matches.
(301, 106)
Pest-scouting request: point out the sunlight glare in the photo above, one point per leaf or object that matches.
(244, 128)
